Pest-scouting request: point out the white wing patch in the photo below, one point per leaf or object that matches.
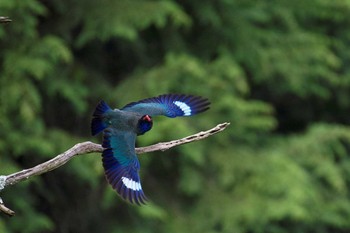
(184, 107)
(131, 184)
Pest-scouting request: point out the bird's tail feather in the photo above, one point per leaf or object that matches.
(97, 123)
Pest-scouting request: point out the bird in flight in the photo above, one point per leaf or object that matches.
(120, 128)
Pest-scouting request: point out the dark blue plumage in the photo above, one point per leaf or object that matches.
(145, 124)
(97, 124)
(121, 165)
(120, 128)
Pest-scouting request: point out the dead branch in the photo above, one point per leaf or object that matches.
(90, 147)
(4, 19)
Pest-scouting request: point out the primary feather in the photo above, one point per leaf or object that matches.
(170, 105)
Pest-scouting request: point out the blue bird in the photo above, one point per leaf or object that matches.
(120, 128)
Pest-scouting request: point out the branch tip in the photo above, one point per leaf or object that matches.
(5, 19)
(6, 210)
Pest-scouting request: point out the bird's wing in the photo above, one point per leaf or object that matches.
(121, 165)
(170, 105)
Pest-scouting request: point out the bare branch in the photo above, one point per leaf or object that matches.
(163, 146)
(6, 210)
(90, 147)
(4, 19)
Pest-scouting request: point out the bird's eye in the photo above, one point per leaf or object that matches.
(144, 124)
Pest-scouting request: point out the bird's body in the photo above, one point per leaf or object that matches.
(120, 128)
(122, 120)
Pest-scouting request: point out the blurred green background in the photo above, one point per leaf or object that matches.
(277, 70)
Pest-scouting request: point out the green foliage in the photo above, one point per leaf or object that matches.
(277, 70)
(125, 18)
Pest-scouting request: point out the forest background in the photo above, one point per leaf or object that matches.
(277, 70)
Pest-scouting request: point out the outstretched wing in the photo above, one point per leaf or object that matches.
(170, 105)
(122, 166)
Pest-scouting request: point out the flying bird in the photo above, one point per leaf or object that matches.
(120, 128)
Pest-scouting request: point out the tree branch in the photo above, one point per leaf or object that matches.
(90, 147)
(4, 19)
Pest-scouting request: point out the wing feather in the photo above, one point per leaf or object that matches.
(122, 166)
(170, 105)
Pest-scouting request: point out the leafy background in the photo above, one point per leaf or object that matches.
(277, 70)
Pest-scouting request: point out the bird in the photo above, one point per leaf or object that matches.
(120, 128)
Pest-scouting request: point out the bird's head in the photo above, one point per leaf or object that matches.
(144, 124)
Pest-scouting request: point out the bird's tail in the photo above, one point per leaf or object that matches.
(97, 122)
